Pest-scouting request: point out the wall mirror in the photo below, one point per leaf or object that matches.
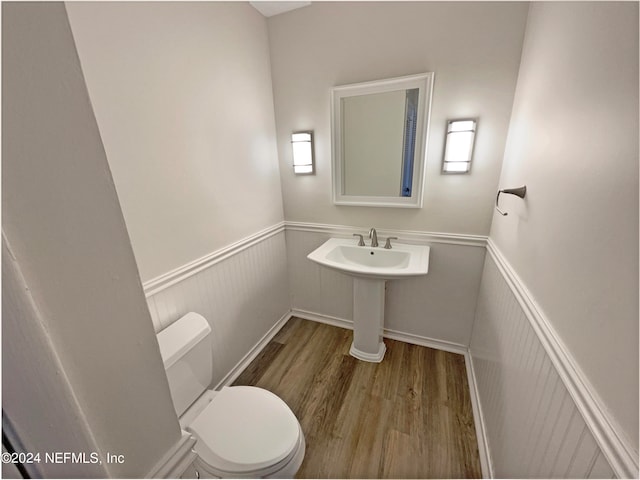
(379, 141)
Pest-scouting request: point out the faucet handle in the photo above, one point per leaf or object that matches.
(387, 245)
(361, 241)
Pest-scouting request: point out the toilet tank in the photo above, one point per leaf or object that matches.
(185, 346)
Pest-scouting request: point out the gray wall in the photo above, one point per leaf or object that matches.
(62, 219)
(182, 95)
(473, 48)
(573, 140)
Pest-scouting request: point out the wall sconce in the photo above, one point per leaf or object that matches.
(459, 146)
(303, 158)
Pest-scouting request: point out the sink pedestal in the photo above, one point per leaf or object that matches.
(370, 267)
(368, 319)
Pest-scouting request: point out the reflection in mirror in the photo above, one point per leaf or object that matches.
(379, 146)
(379, 141)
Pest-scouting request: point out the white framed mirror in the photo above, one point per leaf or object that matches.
(379, 141)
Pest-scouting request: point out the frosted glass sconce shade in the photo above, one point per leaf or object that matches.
(458, 149)
(303, 161)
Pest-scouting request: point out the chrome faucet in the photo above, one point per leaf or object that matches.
(373, 235)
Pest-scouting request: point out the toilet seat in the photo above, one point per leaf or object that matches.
(244, 430)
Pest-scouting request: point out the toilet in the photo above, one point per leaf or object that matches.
(241, 432)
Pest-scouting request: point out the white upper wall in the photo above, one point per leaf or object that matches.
(61, 217)
(473, 48)
(182, 95)
(573, 140)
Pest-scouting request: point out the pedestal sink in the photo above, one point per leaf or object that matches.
(370, 267)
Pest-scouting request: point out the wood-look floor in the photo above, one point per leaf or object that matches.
(407, 417)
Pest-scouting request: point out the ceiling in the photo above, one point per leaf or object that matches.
(269, 9)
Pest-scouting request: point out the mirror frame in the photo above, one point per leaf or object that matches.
(424, 82)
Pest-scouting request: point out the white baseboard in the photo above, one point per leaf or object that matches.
(425, 341)
(387, 333)
(478, 417)
(321, 318)
(235, 372)
(176, 461)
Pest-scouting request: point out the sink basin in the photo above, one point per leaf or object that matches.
(371, 268)
(346, 256)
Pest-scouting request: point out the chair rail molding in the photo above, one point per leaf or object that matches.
(409, 236)
(161, 282)
(613, 444)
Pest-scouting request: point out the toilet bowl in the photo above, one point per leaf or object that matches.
(240, 432)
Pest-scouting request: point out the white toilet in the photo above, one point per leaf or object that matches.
(241, 432)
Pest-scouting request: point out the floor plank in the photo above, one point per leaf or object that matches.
(407, 417)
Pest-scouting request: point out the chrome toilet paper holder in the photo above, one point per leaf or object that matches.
(519, 192)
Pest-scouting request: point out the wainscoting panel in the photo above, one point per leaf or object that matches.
(533, 427)
(315, 288)
(439, 306)
(242, 294)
